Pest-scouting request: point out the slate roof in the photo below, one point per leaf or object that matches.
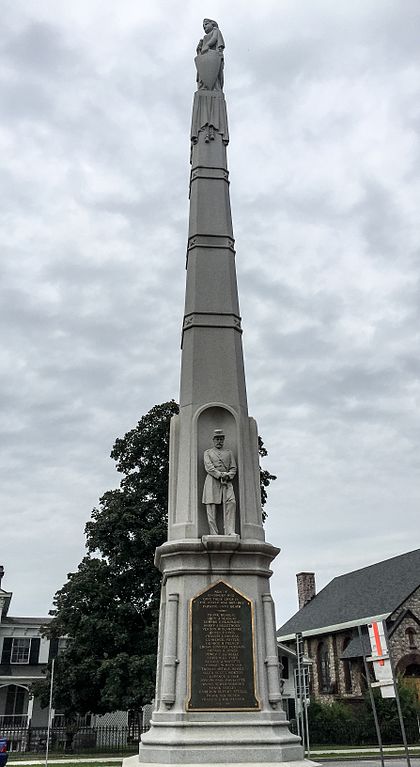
(366, 593)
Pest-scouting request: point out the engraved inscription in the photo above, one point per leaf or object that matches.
(222, 657)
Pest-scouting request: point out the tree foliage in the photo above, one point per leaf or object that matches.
(265, 477)
(109, 607)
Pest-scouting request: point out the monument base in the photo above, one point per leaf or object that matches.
(209, 582)
(133, 761)
(216, 738)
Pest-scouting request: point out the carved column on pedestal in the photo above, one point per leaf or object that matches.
(170, 659)
(271, 656)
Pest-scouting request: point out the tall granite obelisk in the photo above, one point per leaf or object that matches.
(218, 685)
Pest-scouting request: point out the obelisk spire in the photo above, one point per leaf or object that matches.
(212, 323)
(213, 392)
(218, 688)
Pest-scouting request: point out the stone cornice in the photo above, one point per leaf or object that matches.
(244, 556)
(207, 172)
(211, 320)
(211, 241)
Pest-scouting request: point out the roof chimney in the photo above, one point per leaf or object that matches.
(306, 588)
(1, 574)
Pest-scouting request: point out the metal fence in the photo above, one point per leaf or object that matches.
(73, 739)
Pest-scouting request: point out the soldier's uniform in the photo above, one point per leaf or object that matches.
(216, 463)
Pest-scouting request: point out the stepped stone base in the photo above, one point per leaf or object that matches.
(133, 761)
(260, 739)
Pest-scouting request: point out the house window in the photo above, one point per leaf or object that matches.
(21, 647)
(324, 677)
(15, 700)
(411, 636)
(347, 668)
(285, 665)
(291, 708)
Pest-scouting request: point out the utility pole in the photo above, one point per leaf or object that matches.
(302, 695)
(372, 699)
(49, 712)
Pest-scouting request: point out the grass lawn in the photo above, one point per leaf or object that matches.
(54, 761)
(94, 761)
(89, 764)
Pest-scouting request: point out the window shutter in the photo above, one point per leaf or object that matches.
(7, 650)
(53, 651)
(34, 652)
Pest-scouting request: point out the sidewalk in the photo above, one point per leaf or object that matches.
(351, 751)
(72, 760)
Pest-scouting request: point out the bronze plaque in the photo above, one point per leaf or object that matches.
(222, 668)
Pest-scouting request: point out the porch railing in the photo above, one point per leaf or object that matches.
(72, 739)
(13, 720)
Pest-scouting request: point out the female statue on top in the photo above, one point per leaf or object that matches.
(209, 60)
(209, 108)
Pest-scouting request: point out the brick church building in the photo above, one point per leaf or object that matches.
(387, 591)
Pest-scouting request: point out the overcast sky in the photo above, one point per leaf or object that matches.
(324, 111)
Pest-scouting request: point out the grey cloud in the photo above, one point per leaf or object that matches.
(38, 48)
(381, 219)
(94, 200)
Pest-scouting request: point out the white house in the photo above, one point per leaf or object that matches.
(288, 668)
(24, 655)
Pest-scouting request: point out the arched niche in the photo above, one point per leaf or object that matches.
(208, 419)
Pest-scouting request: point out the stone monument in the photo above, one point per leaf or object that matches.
(218, 697)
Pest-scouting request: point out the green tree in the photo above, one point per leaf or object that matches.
(389, 722)
(109, 607)
(265, 477)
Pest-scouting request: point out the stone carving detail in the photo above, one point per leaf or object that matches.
(209, 107)
(211, 241)
(170, 660)
(220, 466)
(209, 60)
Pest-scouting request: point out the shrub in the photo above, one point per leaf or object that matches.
(341, 724)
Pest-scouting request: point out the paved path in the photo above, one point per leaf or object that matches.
(374, 761)
(74, 760)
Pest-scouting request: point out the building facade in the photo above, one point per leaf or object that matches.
(24, 655)
(288, 670)
(387, 591)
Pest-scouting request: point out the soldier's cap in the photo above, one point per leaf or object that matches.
(218, 433)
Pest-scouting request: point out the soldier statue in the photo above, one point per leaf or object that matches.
(220, 466)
